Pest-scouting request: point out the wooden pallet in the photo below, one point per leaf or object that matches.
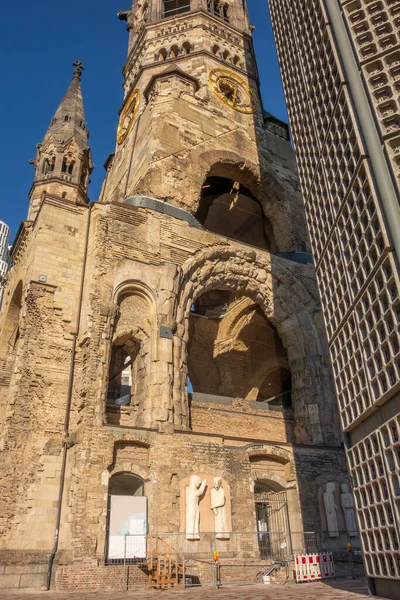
(166, 567)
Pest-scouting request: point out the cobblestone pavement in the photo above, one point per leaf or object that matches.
(335, 590)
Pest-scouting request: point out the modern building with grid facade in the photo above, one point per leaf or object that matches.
(4, 256)
(340, 63)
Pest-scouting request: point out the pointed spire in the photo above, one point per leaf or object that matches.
(63, 161)
(69, 119)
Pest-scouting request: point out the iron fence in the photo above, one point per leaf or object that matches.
(170, 560)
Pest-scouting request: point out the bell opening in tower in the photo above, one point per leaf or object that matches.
(229, 208)
(175, 7)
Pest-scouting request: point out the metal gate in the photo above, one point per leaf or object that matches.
(272, 522)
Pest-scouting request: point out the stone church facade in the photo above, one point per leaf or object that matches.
(170, 329)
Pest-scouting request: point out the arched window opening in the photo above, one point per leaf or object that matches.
(175, 7)
(272, 520)
(9, 335)
(126, 484)
(218, 9)
(127, 519)
(173, 52)
(162, 54)
(66, 118)
(67, 166)
(226, 55)
(216, 50)
(123, 373)
(129, 362)
(236, 61)
(84, 175)
(186, 48)
(48, 165)
(276, 390)
(234, 351)
(229, 208)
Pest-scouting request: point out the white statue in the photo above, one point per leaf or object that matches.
(347, 502)
(218, 506)
(194, 492)
(330, 510)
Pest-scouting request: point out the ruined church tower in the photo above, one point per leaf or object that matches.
(170, 330)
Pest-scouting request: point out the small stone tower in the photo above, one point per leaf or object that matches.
(63, 161)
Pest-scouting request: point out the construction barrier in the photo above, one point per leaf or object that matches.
(314, 567)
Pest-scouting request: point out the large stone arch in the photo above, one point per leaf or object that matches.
(261, 182)
(283, 299)
(277, 194)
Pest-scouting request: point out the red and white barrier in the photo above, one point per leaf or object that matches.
(314, 567)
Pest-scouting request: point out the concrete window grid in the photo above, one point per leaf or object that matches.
(319, 214)
(334, 287)
(375, 26)
(363, 250)
(378, 315)
(324, 90)
(375, 469)
(357, 276)
(319, 67)
(361, 230)
(342, 151)
(300, 116)
(349, 369)
(347, 252)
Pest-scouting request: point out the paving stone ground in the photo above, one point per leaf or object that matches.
(335, 590)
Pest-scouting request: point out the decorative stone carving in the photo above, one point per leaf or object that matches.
(218, 506)
(194, 491)
(207, 523)
(347, 502)
(330, 510)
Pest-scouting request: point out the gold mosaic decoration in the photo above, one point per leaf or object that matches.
(234, 91)
(128, 115)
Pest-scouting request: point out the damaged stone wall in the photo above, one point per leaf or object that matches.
(184, 133)
(32, 430)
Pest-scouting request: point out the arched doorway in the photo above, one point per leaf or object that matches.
(272, 517)
(127, 519)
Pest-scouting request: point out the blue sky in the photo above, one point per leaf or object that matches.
(38, 43)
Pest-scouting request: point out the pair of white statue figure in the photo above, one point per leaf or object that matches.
(194, 493)
(347, 502)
